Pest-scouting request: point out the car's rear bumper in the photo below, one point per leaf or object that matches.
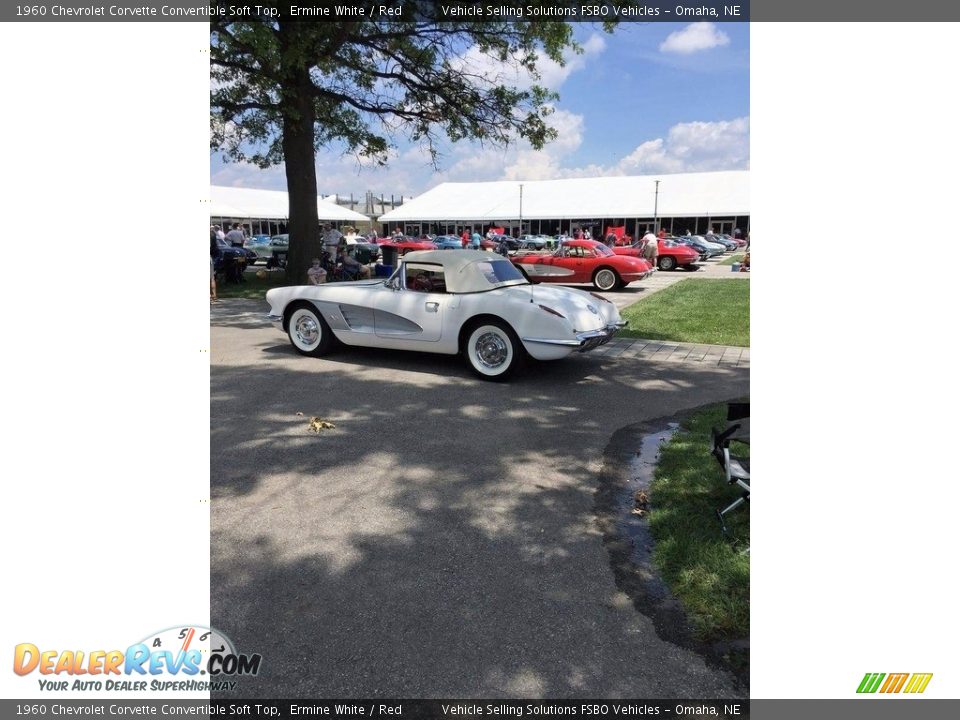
(583, 341)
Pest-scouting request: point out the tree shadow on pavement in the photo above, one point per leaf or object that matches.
(441, 540)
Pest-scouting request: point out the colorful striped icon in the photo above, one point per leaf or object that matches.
(894, 682)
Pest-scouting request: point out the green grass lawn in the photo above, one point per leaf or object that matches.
(709, 575)
(735, 258)
(254, 287)
(714, 312)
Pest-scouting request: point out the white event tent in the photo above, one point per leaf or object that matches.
(685, 195)
(247, 204)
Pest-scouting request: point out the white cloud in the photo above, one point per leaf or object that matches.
(694, 38)
(687, 147)
(552, 74)
(692, 147)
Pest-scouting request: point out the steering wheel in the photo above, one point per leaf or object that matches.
(422, 283)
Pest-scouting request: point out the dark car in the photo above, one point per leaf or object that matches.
(229, 262)
(692, 242)
(723, 240)
(364, 252)
(511, 244)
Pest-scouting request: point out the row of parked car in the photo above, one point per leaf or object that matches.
(711, 245)
(574, 261)
(589, 261)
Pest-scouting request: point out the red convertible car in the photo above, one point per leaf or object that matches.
(583, 261)
(408, 244)
(671, 255)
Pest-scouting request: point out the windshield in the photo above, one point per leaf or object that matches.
(603, 250)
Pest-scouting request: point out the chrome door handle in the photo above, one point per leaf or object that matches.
(432, 306)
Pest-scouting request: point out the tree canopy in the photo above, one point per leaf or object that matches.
(281, 89)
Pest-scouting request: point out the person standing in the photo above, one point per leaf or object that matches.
(475, 240)
(235, 236)
(651, 249)
(213, 282)
(331, 240)
(351, 237)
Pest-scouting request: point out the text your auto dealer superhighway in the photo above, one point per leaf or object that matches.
(142, 11)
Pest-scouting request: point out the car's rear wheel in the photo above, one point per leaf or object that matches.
(493, 350)
(666, 262)
(606, 279)
(308, 331)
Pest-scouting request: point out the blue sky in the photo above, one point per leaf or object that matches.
(649, 98)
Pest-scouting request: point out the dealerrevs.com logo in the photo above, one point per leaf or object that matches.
(183, 658)
(911, 683)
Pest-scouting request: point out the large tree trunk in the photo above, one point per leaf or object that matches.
(298, 152)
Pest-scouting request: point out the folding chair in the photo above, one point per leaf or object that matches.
(737, 411)
(736, 469)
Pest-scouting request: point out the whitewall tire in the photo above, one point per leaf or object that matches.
(493, 350)
(308, 331)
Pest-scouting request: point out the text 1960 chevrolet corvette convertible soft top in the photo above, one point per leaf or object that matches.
(472, 302)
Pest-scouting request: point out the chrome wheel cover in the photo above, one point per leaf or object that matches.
(491, 350)
(606, 279)
(307, 330)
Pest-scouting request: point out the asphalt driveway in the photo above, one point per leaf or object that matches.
(441, 540)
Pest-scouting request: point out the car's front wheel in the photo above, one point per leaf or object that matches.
(308, 331)
(493, 350)
(606, 279)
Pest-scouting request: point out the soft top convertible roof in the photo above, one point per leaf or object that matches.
(469, 270)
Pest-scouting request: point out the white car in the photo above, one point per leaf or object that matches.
(469, 301)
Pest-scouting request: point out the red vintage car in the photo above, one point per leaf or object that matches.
(406, 244)
(671, 255)
(583, 261)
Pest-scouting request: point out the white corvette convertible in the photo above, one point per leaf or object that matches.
(447, 302)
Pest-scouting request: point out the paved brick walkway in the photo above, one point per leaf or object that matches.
(669, 351)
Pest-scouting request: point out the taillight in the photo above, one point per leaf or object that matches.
(552, 311)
